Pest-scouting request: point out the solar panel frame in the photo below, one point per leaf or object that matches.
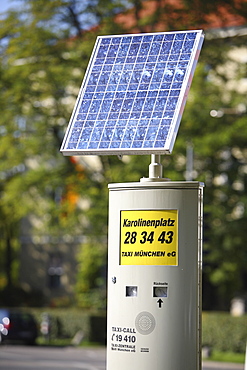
(133, 109)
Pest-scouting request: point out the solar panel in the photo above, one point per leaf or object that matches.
(133, 94)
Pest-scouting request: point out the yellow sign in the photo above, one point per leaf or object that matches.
(149, 237)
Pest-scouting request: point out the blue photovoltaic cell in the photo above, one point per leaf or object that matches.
(133, 94)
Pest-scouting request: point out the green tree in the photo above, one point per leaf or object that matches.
(220, 162)
(218, 141)
(44, 54)
(45, 48)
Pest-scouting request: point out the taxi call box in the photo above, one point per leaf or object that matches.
(154, 276)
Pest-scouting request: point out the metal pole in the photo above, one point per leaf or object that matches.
(245, 366)
(155, 167)
(189, 162)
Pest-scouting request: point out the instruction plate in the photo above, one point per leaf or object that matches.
(149, 237)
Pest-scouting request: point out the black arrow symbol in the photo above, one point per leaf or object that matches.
(160, 302)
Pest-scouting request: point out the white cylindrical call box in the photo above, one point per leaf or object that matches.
(154, 276)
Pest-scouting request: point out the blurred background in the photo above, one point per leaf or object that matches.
(53, 209)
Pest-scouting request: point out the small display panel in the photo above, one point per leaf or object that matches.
(131, 291)
(160, 291)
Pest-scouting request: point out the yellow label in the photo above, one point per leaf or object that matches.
(149, 237)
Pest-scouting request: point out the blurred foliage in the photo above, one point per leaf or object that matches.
(66, 323)
(223, 332)
(91, 285)
(231, 357)
(45, 47)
